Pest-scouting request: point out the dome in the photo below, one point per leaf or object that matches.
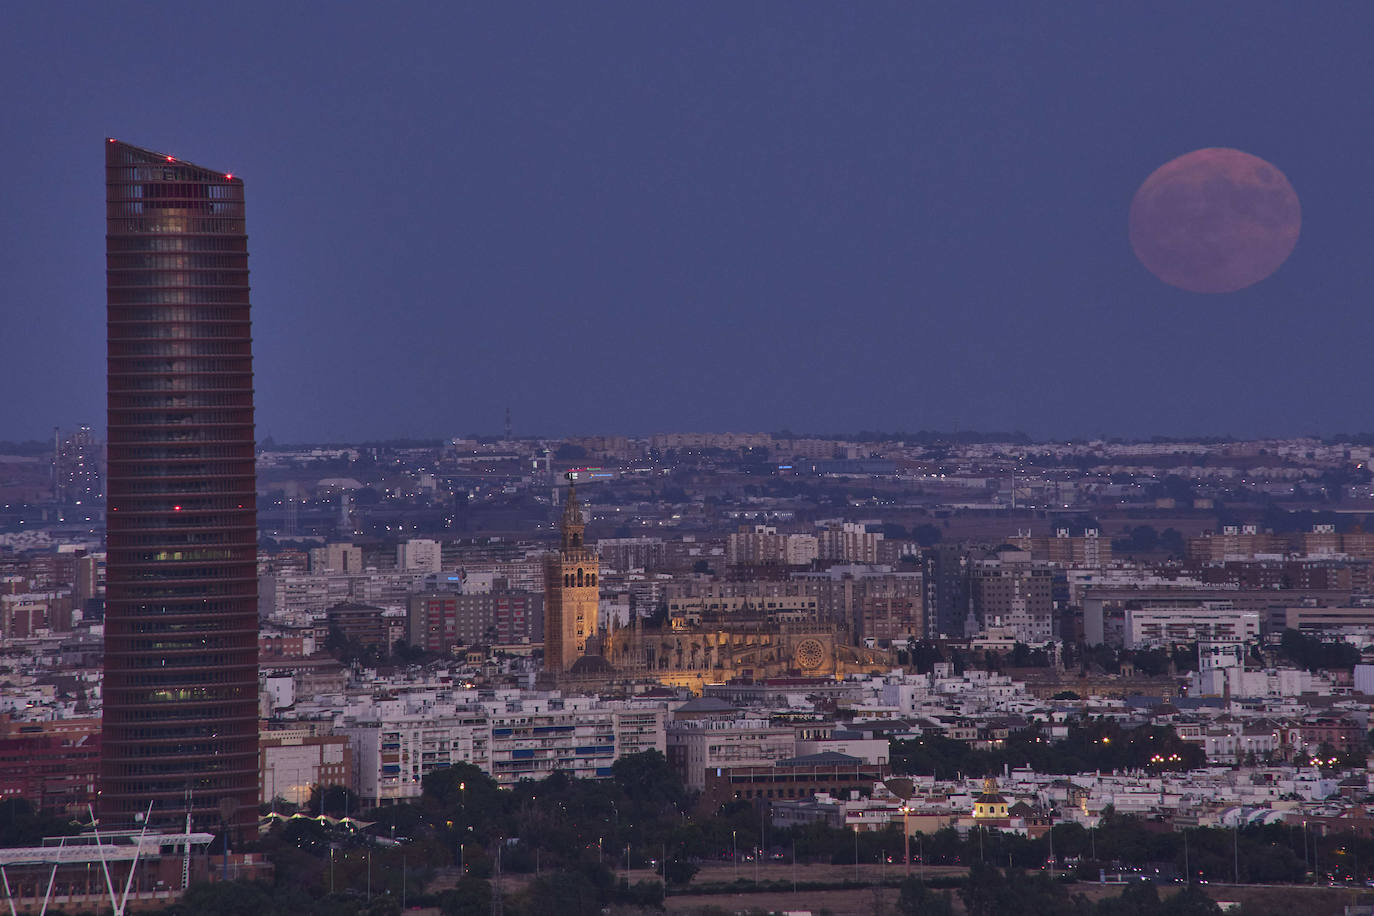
(591, 664)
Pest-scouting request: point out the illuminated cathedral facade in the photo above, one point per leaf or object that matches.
(579, 654)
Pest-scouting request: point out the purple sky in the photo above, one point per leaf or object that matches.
(636, 217)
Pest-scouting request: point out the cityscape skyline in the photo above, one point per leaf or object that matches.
(534, 614)
(783, 632)
(727, 219)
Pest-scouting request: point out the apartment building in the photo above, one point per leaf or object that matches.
(763, 545)
(512, 737)
(699, 746)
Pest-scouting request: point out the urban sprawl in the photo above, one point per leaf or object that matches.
(982, 646)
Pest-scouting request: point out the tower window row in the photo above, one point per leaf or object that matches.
(579, 579)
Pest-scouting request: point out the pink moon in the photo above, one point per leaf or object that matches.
(1214, 220)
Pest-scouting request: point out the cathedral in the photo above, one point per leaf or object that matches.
(578, 654)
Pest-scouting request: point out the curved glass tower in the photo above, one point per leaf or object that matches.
(181, 625)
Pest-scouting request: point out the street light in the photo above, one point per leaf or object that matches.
(906, 837)
(734, 854)
(904, 788)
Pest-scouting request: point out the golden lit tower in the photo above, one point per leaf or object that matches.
(570, 592)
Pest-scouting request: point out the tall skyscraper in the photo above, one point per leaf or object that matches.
(571, 593)
(181, 625)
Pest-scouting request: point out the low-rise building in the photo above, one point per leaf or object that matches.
(698, 747)
(291, 764)
(790, 779)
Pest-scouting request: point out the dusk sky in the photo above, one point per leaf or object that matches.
(644, 217)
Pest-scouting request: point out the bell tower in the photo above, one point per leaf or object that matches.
(571, 593)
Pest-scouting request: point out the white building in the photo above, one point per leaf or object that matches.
(299, 598)
(290, 765)
(1268, 682)
(849, 543)
(851, 744)
(394, 752)
(419, 554)
(581, 736)
(336, 558)
(763, 544)
(512, 737)
(697, 745)
(1167, 626)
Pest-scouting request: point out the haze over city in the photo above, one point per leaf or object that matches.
(707, 216)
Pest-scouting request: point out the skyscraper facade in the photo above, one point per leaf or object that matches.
(180, 722)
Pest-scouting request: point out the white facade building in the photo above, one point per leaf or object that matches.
(512, 737)
(1167, 626)
(419, 554)
(697, 745)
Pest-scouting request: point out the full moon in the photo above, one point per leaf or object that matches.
(1214, 221)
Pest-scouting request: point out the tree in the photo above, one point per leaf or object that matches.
(926, 535)
(648, 780)
(915, 899)
(1139, 898)
(984, 891)
(1191, 901)
(22, 825)
(1314, 654)
(472, 897)
(225, 898)
(990, 892)
(570, 452)
(567, 893)
(466, 803)
(458, 786)
(679, 871)
(335, 801)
